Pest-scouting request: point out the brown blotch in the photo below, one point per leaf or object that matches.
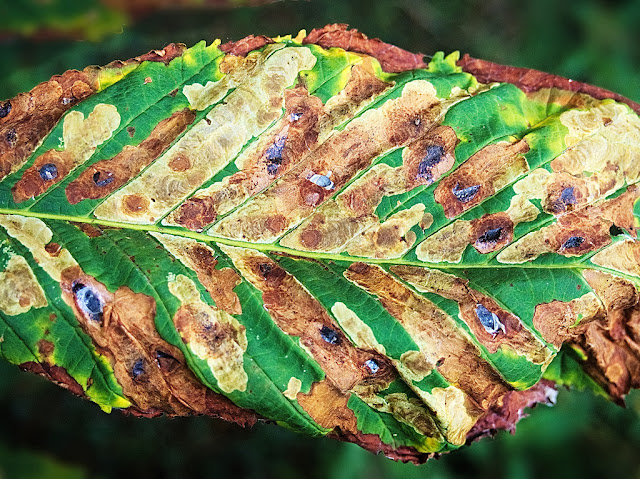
(180, 163)
(48, 169)
(29, 117)
(89, 230)
(153, 373)
(565, 193)
(328, 407)
(106, 176)
(588, 229)
(515, 336)
(391, 58)
(168, 53)
(491, 232)
(45, 350)
(218, 282)
(428, 159)
(510, 410)
(529, 80)
(477, 178)
(56, 374)
(136, 204)
(53, 248)
(248, 44)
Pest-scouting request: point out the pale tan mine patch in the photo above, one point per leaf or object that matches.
(35, 235)
(446, 244)
(293, 388)
(296, 195)
(212, 335)
(211, 143)
(623, 257)
(360, 333)
(19, 288)
(80, 138)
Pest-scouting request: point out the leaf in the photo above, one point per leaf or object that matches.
(322, 231)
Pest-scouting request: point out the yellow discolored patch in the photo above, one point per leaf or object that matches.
(80, 138)
(214, 141)
(359, 331)
(19, 288)
(293, 388)
(453, 403)
(34, 234)
(212, 335)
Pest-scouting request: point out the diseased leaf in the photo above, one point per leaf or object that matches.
(322, 231)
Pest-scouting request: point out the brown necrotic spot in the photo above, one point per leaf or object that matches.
(131, 130)
(196, 213)
(180, 163)
(53, 248)
(491, 232)
(135, 204)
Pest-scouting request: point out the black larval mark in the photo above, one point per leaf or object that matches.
(572, 242)
(273, 155)
(489, 320)
(265, 269)
(138, 369)
(490, 235)
(432, 158)
(329, 335)
(48, 172)
(5, 109)
(11, 137)
(104, 181)
(567, 196)
(466, 194)
(88, 301)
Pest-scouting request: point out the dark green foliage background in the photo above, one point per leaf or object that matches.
(46, 432)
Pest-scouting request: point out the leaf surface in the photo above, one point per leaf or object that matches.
(322, 231)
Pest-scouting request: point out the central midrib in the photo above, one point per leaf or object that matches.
(275, 248)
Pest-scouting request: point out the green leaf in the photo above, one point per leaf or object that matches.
(321, 231)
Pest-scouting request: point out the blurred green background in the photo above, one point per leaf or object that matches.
(47, 432)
